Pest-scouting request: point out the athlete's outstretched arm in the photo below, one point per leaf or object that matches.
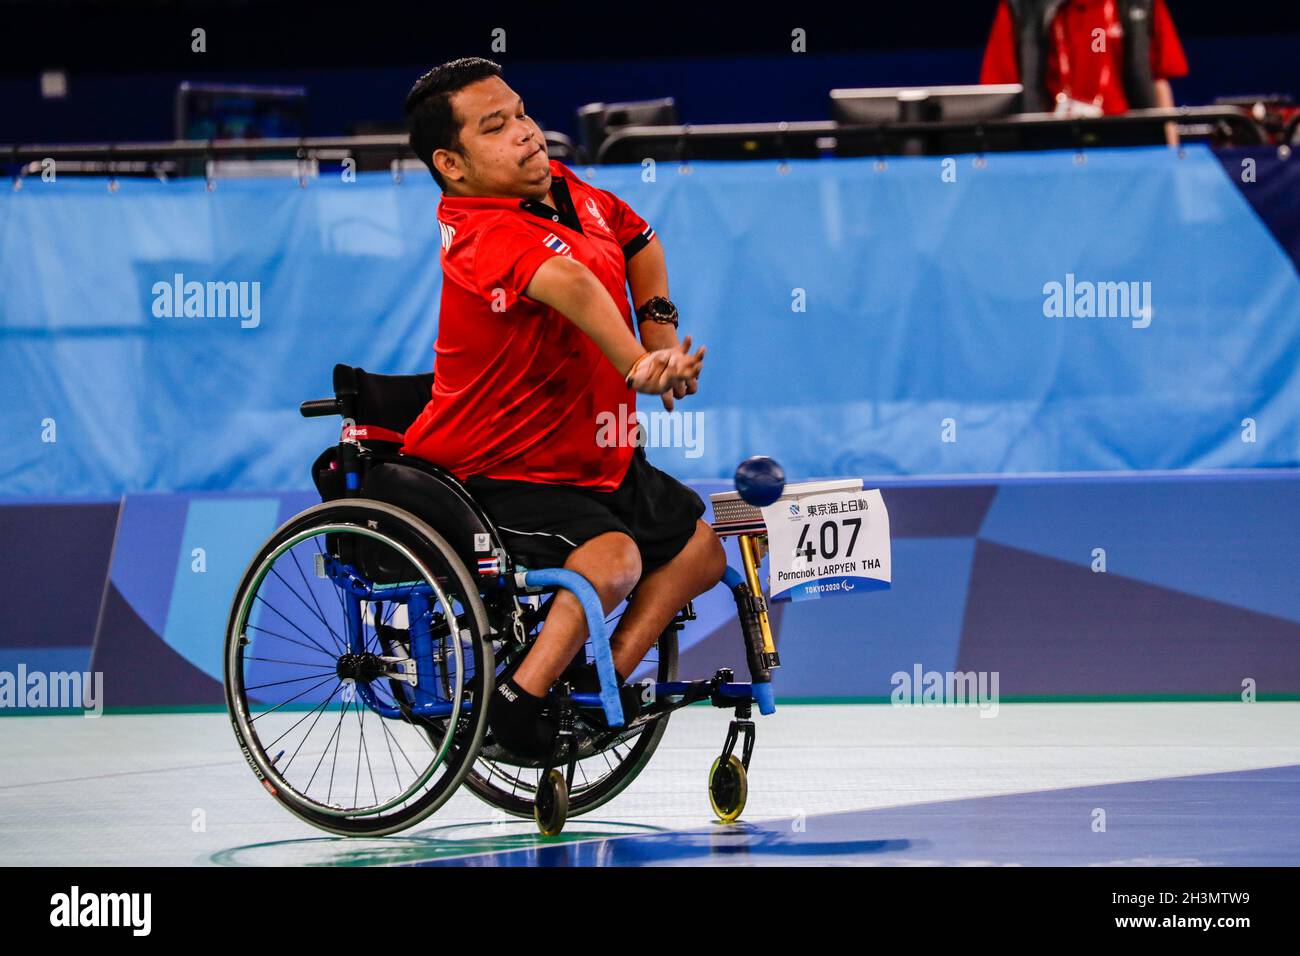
(573, 290)
(647, 275)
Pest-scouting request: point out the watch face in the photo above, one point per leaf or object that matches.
(651, 309)
(660, 309)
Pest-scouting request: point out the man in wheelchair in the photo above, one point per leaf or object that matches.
(535, 350)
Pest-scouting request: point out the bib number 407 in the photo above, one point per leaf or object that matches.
(828, 539)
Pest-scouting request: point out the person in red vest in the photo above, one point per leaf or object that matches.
(1086, 57)
(536, 371)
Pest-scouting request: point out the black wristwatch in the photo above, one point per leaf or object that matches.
(657, 309)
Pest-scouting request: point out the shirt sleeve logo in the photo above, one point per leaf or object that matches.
(448, 235)
(556, 244)
(595, 214)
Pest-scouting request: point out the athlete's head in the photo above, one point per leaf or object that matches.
(471, 130)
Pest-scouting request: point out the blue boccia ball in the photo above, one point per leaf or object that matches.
(760, 480)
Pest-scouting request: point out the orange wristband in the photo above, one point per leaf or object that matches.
(627, 379)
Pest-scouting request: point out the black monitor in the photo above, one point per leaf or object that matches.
(598, 120)
(925, 105)
(211, 111)
(224, 112)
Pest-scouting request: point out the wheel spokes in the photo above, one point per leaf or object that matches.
(294, 669)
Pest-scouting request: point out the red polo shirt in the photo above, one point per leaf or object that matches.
(518, 388)
(1089, 74)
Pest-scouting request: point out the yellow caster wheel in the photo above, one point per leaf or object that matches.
(728, 788)
(552, 803)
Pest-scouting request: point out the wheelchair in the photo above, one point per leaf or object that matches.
(367, 633)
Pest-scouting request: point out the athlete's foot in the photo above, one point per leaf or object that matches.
(517, 723)
(577, 671)
(586, 680)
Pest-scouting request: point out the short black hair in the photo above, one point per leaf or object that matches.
(429, 117)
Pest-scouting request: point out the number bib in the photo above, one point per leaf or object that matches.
(827, 542)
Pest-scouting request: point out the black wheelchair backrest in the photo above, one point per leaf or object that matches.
(393, 402)
(387, 401)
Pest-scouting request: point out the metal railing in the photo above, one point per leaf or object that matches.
(166, 158)
(1027, 130)
(634, 143)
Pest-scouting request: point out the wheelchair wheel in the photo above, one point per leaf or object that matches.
(551, 808)
(358, 657)
(728, 788)
(596, 779)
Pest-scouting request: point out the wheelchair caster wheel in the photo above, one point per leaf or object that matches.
(552, 803)
(728, 788)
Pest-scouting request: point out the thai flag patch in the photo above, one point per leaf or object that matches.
(556, 244)
(489, 566)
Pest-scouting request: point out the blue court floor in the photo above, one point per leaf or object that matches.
(1247, 818)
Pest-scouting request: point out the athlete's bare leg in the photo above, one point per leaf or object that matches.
(663, 592)
(612, 564)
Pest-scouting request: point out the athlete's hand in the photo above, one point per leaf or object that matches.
(687, 387)
(671, 372)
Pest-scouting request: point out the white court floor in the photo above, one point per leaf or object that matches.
(127, 790)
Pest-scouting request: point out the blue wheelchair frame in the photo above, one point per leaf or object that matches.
(419, 600)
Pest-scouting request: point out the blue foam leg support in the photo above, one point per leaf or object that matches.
(581, 588)
(732, 578)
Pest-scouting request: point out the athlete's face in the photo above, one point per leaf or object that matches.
(502, 151)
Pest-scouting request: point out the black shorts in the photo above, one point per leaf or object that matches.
(540, 524)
